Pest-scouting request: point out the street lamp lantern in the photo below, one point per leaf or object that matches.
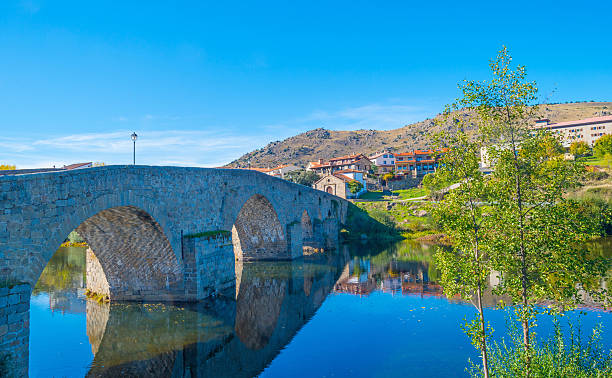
(134, 137)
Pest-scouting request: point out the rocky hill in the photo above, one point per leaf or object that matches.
(325, 144)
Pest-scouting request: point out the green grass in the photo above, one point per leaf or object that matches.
(377, 195)
(400, 216)
(410, 193)
(401, 194)
(593, 160)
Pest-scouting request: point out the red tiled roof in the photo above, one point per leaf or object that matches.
(422, 152)
(316, 164)
(347, 157)
(343, 177)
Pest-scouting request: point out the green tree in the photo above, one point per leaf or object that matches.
(388, 176)
(534, 233)
(302, 177)
(580, 148)
(355, 186)
(603, 146)
(465, 268)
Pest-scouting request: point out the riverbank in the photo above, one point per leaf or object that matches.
(392, 219)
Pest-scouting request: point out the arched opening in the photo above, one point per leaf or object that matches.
(121, 253)
(330, 190)
(257, 232)
(127, 255)
(129, 250)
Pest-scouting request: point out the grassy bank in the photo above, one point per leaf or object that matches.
(392, 220)
(403, 194)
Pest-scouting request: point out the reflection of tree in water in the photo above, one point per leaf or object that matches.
(65, 270)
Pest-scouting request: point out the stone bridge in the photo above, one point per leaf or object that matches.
(160, 233)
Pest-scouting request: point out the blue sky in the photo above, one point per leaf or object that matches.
(204, 82)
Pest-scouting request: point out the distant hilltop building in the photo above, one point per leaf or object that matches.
(587, 130)
(358, 162)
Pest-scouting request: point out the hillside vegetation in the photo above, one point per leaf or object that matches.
(325, 144)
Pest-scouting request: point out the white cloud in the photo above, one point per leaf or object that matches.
(169, 147)
(373, 116)
(211, 147)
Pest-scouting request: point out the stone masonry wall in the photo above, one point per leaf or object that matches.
(38, 211)
(14, 327)
(209, 265)
(96, 279)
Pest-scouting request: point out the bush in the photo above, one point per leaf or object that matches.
(580, 148)
(355, 186)
(603, 146)
(563, 354)
(74, 237)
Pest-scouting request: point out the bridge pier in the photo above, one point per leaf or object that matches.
(15, 328)
(208, 265)
(294, 240)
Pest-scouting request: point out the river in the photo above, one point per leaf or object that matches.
(359, 312)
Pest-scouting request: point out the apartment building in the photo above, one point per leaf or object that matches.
(417, 163)
(588, 130)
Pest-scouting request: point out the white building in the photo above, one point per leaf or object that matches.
(586, 130)
(385, 161)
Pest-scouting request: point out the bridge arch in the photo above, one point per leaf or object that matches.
(257, 232)
(129, 256)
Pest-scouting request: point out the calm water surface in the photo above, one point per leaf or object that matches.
(361, 312)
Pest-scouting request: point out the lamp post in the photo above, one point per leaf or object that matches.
(134, 137)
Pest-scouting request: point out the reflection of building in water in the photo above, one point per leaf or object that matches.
(361, 277)
(355, 278)
(68, 301)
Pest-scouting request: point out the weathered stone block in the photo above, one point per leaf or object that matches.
(13, 299)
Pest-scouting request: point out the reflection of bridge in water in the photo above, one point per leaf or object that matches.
(224, 337)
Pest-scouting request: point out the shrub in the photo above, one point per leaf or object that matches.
(603, 146)
(355, 186)
(562, 354)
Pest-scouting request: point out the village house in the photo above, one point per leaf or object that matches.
(279, 171)
(587, 130)
(417, 163)
(385, 161)
(337, 183)
(358, 162)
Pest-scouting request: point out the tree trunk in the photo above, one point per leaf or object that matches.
(483, 345)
